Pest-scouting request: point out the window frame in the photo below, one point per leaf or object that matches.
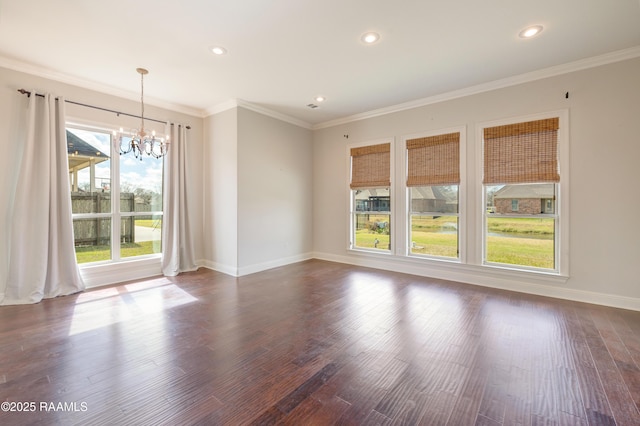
(116, 215)
(352, 204)
(561, 206)
(462, 195)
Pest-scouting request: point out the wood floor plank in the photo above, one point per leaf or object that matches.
(318, 343)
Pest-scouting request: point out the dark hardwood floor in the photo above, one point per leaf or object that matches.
(316, 343)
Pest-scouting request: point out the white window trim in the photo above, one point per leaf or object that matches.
(392, 198)
(562, 213)
(115, 215)
(462, 196)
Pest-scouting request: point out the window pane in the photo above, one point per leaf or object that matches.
(88, 153)
(92, 239)
(434, 235)
(140, 235)
(140, 184)
(523, 199)
(434, 199)
(521, 241)
(372, 219)
(373, 231)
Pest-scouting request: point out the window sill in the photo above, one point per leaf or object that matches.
(455, 270)
(99, 274)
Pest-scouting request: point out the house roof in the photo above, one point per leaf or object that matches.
(427, 193)
(82, 154)
(373, 192)
(526, 191)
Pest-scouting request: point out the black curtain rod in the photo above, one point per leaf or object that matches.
(28, 93)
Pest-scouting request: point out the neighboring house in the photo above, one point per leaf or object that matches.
(525, 199)
(81, 156)
(369, 200)
(431, 199)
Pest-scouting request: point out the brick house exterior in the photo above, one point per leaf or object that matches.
(525, 199)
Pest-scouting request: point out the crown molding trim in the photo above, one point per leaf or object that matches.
(233, 103)
(224, 106)
(49, 74)
(607, 58)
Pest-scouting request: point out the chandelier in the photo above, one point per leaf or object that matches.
(139, 140)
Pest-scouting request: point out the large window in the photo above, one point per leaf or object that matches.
(433, 178)
(521, 195)
(371, 197)
(116, 205)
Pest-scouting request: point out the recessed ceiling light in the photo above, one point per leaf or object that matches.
(218, 50)
(320, 99)
(530, 31)
(370, 38)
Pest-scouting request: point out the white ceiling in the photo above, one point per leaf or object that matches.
(282, 53)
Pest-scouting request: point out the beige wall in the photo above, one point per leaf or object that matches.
(258, 200)
(267, 192)
(604, 112)
(221, 192)
(274, 192)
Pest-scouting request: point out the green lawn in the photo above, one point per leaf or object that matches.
(149, 223)
(517, 225)
(522, 241)
(98, 253)
(521, 251)
(366, 237)
(434, 236)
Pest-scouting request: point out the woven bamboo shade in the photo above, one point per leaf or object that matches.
(434, 160)
(371, 166)
(522, 152)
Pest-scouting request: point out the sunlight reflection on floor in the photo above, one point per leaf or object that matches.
(101, 308)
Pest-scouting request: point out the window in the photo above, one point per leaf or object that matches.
(521, 191)
(116, 205)
(371, 197)
(433, 178)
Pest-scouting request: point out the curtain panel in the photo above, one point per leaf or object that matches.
(42, 262)
(177, 253)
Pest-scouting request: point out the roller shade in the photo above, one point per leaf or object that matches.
(522, 152)
(371, 166)
(434, 160)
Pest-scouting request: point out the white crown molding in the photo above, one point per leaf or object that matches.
(233, 103)
(595, 61)
(274, 114)
(38, 71)
(608, 58)
(224, 106)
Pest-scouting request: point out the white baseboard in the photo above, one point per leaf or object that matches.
(219, 267)
(259, 267)
(538, 284)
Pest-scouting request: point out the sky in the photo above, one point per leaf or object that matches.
(145, 174)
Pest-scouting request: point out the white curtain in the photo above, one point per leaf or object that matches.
(42, 262)
(177, 251)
